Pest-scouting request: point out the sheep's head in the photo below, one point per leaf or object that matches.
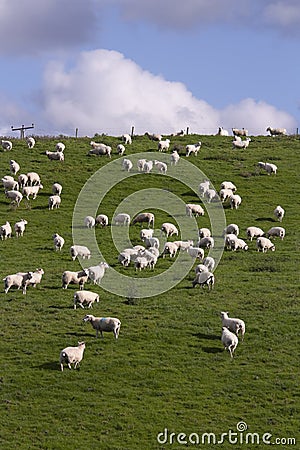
(88, 318)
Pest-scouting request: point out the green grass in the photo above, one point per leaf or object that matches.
(168, 368)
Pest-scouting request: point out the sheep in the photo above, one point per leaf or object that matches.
(191, 209)
(148, 166)
(30, 141)
(238, 143)
(264, 244)
(161, 166)
(144, 217)
(235, 325)
(96, 273)
(184, 245)
(229, 238)
(279, 213)
(100, 149)
(124, 258)
(180, 133)
(5, 231)
(153, 136)
(14, 280)
(55, 156)
(152, 242)
(71, 355)
(79, 250)
(239, 132)
(6, 145)
(22, 180)
(195, 252)
(203, 187)
(192, 148)
(19, 227)
(276, 131)
(102, 220)
(238, 244)
(235, 201)
(126, 138)
(201, 268)
(33, 178)
(254, 232)
(104, 324)
(32, 280)
(141, 164)
(204, 232)
(163, 145)
(170, 248)
(54, 202)
(206, 242)
(149, 256)
(209, 262)
(14, 167)
(122, 219)
(89, 222)
(58, 242)
(120, 149)
(14, 196)
(228, 185)
(69, 277)
(146, 233)
(60, 147)
(154, 251)
(225, 194)
(268, 167)
(210, 195)
(222, 132)
(31, 190)
(85, 297)
(229, 340)
(174, 158)
(169, 229)
(232, 228)
(127, 164)
(56, 189)
(276, 232)
(10, 184)
(204, 279)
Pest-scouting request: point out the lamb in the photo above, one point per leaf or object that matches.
(163, 145)
(14, 167)
(120, 149)
(210, 195)
(71, 355)
(6, 145)
(153, 136)
(279, 213)
(19, 227)
(85, 297)
(89, 222)
(127, 164)
(161, 166)
(30, 141)
(126, 138)
(239, 132)
(33, 178)
(209, 262)
(5, 231)
(22, 180)
(232, 228)
(203, 187)
(31, 190)
(56, 189)
(55, 156)
(229, 340)
(195, 252)
(222, 132)
(141, 164)
(235, 201)
(238, 143)
(58, 242)
(192, 148)
(102, 220)
(69, 277)
(144, 217)
(122, 219)
(206, 242)
(184, 245)
(60, 147)
(33, 279)
(204, 232)
(254, 232)
(264, 244)
(80, 250)
(276, 131)
(191, 209)
(10, 184)
(276, 232)
(104, 324)
(235, 325)
(228, 185)
(174, 158)
(169, 229)
(148, 166)
(204, 279)
(146, 233)
(225, 194)
(170, 248)
(14, 196)
(238, 244)
(54, 202)
(14, 280)
(96, 273)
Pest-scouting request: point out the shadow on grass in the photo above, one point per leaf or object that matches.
(210, 337)
(51, 365)
(265, 219)
(212, 350)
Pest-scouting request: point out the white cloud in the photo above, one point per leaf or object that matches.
(285, 14)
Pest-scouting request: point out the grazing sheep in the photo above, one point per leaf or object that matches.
(150, 257)
(32, 190)
(99, 149)
(206, 242)
(238, 244)
(235, 325)
(210, 195)
(232, 228)
(56, 189)
(32, 280)
(204, 279)
(225, 194)
(235, 201)
(192, 148)
(122, 219)
(222, 132)
(279, 213)
(276, 131)
(96, 273)
(80, 250)
(104, 324)
(85, 297)
(22, 180)
(89, 222)
(204, 232)
(238, 143)
(153, 136)
(228, 185)
(141, 164)
(30, 141)
(10, 184)
(127, 164)
(195, 252)
(174, 158)
(120, 149)
(71, 355)
(19, 227)
(6, 145)
(55, 156)
(152, 242)
(264, 244)
(203, 187)
(146, 233)
(184, 245)
(161, 166)
(239, 132)
(124, 258)
(209, 262)
(58, 241)
(14, 167)
(276, 232)
(14, 196)
(60, 147)
(126, 138)
(229, 340)
(169, 229)
(33, 178)
(201, 268)
(170, 248)
(163, 145)
(102, 220)
(14, 280)
(69, 277)
(5, 231)
(191, 209)
(54, 202)
(148, 166)
(254, 232)
(228, 241)
(144, 217)
(268, 167)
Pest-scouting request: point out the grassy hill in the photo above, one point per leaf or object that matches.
(168, 369)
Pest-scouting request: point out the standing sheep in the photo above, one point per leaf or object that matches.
(235, 201)
(144, 217)
(89, 222)
(104, 324)
(192, 148)
(14, 196)
(71, 355)
(56, 189)
(6, 145)
(122, 219)
(58, 242)
(85, 297)
(163, 145)
(5, 231)
(191, 209)
(127, 164)
(204, 279)
(174, 158)
(14, 167)
(254, 232)
(19, 227)
(54, 202)
(102, 220)
(229, 340)
(169, 229)
(30, 141)
(276, 131)
(279, 213)
(235, 325)
(120, 149)
(80, 251)
(264, 244)
(69, 277)
(276, 232)
(96, 273)
(34, 279)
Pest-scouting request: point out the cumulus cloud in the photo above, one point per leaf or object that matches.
(105, 92)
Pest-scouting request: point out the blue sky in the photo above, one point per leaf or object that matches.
(159, 65)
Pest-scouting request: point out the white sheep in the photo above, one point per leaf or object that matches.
(264, 244)
(102, 220)
(32, 280)
(56, 189)
(19, 227)
(122, 219)
(279, 213)
(209, 262)
(89, 222)
(144, 217)
(228, 241)
(195, 252)
(184, 245)
(60, 147)
(238, 244)
(100, 149)
(174, 158)
(30, 141)
(161, 166)
(5, 231)
(254, 232)
(14, 167)
(10, 184)
(14, 196)
(235, 325)
(22, 180)
(148, 166)
(232, 228)
(104, 324)
(69, 277)
(150, 257)
(235, 201)
(33, 178)
(229, 340)
(127, 164)
(228, 185)
(85, 297)
(79, 251)
(204, 232)
(206, 242)
(146, 233)
(58, 242)
(191, 209)
(6, 145)
(204, 279)
(126, 138)
(153, 136)
(201, 268)
(55, 156)
(210, 195)
(152, 242)
(222, 132)
(163, 145)
(96, 273)
(31, 190)
(170, 248)
(276, 131)
(276, 232)
(121, 149)
(14, 280)
(169, 229)
(225, 194)
(268, 167)
(54, 202)
(239, 143)
(71, 355)
(239, 132)
(125, 257)
(141, 164)
(203, 187)
(192, 148)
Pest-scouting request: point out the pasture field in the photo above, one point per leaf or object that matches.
(168, 372)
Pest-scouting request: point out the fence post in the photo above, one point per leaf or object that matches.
(76, 133)
(132, 131)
